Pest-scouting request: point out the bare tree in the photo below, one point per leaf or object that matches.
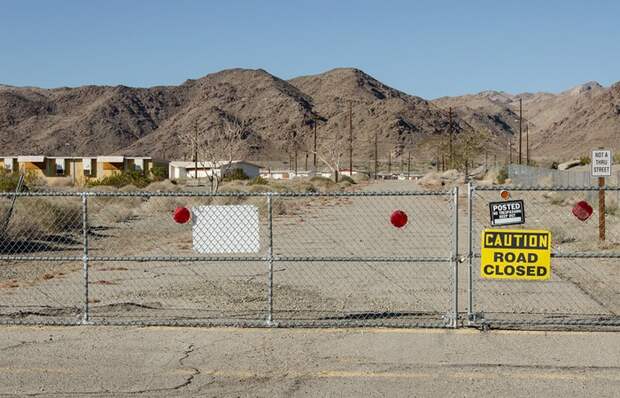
(331, 151)
(216, 146)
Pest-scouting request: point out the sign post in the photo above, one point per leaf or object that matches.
(601, 209)
(601, 168)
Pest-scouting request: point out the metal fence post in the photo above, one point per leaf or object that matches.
(85, 315)
(455, 259)
(270, 261)
(470, 253)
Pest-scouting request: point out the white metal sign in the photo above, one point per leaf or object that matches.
(601, 163)
(225, 229)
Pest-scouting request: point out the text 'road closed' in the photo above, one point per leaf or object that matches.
(516, 254)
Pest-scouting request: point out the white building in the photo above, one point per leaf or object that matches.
(181, 169)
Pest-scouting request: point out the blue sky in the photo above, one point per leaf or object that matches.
(426, 48)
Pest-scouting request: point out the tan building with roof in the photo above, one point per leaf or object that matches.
(75, 170)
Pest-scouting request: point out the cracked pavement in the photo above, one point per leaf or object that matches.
(166, 361)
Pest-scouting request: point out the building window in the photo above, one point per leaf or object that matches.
(86, 166)
(60, 167)
(8, 164)
(138, 165)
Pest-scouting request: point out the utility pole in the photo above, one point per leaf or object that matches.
(409, 164)
(376, 152)
(450, 136)
(306, 167)
(520, 123)
(527, 143)
(314, 153)
(350, 138)
(295, 160)
(510, 150)
(196, 149)
(390, 163)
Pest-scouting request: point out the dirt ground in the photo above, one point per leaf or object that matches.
(379, 290)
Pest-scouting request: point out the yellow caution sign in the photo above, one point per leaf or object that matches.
(516, 254)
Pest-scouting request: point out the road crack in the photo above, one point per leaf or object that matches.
(195, 371)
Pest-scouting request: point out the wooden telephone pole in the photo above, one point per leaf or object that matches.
(350, 139)
(520, 124)
(409, 164)
(196, 149)
(451, 165)
(376, 152)
(527, 144)
(314, 152)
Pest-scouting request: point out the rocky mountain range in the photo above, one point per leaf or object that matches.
(561, 126)
(156, 121)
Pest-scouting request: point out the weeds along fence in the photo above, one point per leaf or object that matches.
(583, 290)
(248, 259)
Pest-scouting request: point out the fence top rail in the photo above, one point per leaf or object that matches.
(227, 194)
(542, 188)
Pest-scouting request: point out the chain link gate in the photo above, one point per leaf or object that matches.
(289, 259)
(583, 290)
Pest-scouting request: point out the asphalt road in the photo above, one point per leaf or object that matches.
(164, 362)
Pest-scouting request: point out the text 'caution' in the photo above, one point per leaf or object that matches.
(516, 254)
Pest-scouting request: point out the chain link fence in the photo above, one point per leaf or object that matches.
(247, 259)
(583, 290)
(531, 176)
(298, 259)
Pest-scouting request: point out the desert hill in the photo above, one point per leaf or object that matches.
(563, 125)
(156, 121)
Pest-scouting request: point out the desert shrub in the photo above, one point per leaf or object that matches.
(502, 175)
(9, 181)
(611, 208)
(323, 184)
(233, 186)
(557, 200)
(259, 188)
(279, 206)
(235, 174)
(345, 184)
(159, 172)
(121, 179)
(37, 216)
(346, 179)
(278, 187)
(321, 180)
(162, 186)
(128, 188)
(302, 186)
(258, 180)
(561, 235)
(555, 165)
(361, 177)
(584, 160)
(121, 214)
